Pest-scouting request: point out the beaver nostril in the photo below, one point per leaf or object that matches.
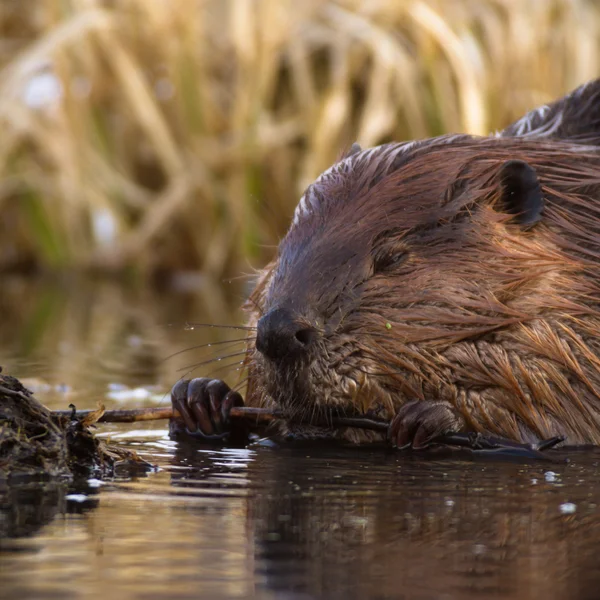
(306, 336)
(280, 335)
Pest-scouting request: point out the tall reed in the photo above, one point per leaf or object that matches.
(151, 136)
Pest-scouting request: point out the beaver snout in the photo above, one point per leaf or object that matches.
(282, 335)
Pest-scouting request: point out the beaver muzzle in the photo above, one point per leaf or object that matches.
(283, 337)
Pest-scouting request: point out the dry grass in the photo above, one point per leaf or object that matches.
(179, 134)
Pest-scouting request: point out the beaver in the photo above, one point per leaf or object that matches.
(448, 284)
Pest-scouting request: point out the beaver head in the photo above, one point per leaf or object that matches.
(458, 268)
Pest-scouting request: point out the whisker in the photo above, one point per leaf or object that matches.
(227, 367)
(238, 386)
(210, 375)
(297, 413)
(212, 360)
(313, 413)
(243, 276)
(192, 325)
(199, 346)
(258, 308)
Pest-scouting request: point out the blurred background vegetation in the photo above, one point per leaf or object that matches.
(153, 137)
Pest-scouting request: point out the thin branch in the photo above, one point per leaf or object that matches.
(256, 416)
(479, 443)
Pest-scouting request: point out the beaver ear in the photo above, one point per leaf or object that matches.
(521, 193)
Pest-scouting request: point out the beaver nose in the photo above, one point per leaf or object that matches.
(280, 335)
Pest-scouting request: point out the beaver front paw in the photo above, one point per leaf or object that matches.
(418, 423)
(203, 405)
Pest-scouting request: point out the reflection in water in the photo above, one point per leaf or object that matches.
(327, 522)
(83, 336)
(300, 521)
(26, 507)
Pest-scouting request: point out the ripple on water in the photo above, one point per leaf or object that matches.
(319, 522)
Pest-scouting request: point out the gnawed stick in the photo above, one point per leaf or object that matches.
(478, 443)
(253, 416)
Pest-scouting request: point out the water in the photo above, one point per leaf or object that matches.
(304, 521)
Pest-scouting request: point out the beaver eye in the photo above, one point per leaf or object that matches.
(388, 261)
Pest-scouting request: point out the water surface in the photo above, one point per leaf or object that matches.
(303, 521)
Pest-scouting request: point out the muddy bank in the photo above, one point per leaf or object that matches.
(35, 443)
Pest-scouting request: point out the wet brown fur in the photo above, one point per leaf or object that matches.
(496, 319)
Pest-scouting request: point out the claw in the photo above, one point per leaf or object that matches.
(204, 406)
(419, 423)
